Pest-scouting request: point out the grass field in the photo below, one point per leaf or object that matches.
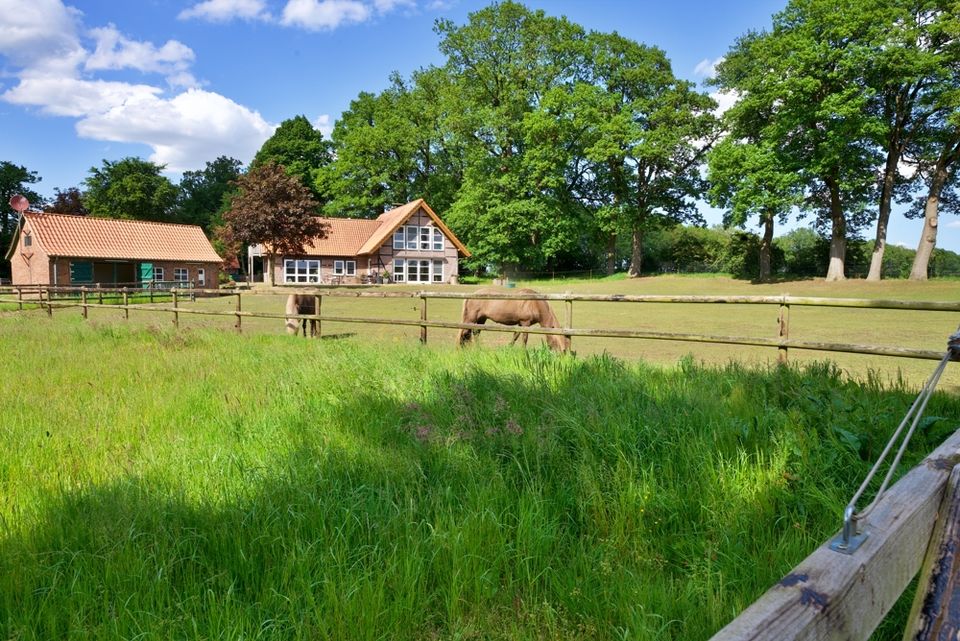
(196, 484)
(923, 330)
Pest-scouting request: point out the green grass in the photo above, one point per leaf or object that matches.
(200, 485)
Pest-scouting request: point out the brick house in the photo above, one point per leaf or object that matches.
(410, 243)
(67, 250)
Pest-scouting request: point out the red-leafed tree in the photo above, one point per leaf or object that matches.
(275, 210)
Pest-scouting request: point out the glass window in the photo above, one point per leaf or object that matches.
(437, 240)
(301, 271)
(158, 273)
(180, 274)
(424, 238)
(398, 275)
(351, 268)
(27, 240)
(412, 233)
(398, 241)
(437, 271)
(201, 277)
(338, 267)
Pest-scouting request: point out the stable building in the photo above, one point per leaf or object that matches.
(68, 250)
(407, 244)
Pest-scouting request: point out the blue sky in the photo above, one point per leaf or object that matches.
(183, 81)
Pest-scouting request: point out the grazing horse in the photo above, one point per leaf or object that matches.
(511, 312)
(302, 304)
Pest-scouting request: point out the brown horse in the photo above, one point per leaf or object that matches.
(302, 304)
(511, 312)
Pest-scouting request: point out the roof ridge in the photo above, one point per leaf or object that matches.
(122, 220)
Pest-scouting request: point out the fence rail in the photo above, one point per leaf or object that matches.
(81, 297)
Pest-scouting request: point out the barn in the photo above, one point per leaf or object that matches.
(67, 250)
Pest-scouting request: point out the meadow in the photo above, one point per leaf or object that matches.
(197, 484)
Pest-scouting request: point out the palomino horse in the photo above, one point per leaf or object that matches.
(302, 304)
(511, 312)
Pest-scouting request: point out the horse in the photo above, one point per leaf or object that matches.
(302, 304)
(511, 312)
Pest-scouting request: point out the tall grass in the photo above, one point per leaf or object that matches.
(160, 485)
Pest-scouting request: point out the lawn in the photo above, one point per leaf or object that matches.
(197, 484)
(923, 330)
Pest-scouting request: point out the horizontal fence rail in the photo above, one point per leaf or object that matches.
(46, 297)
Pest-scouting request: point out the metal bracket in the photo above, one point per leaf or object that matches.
(848, 547)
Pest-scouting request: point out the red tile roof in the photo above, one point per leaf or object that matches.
(88, 237)
(360, 236)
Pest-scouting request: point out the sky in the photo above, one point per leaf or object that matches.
(181, 82)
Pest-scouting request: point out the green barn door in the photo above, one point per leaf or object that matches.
(81, 272)
(146, 274)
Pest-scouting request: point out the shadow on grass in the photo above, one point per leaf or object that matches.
(566, 499)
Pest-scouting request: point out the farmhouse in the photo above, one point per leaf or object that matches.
(408, 244)
(62, 249)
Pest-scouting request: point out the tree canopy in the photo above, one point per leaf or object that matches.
(300, 149)
(130, 188)
(204, 194)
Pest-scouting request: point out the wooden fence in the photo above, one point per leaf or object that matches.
(829, 595)
(50, 298)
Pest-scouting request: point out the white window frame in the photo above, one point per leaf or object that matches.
(436, 270)
(398, 238)
(157, 273)
(418, 270)
(301, 270)
(399, 275)
(181, 275)
(417, 238)
(345, 267)
(201, 277)
(437, 240)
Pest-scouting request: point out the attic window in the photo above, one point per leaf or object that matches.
(27, 240)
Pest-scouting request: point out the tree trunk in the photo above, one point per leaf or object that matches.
(838, 233)
(928, 239)
(611, 254)
(636, 251)
(883, 218)
(766, 247)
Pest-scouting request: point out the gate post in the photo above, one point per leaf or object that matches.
(126, 304)
(318, 299)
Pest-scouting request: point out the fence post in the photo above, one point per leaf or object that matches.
(318, 300)
(423, 319)
(176, 314)
(238, 323)
(569, 324)
(20, 298)
(126, 304)
(49, 300)
(150, 288)
(100, 290)
(783, 325)
(83, 300)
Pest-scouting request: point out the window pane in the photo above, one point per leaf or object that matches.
(411, 237)
(437, 239)
(424, 238)
(351, 267)
(398, 239)
(438, 271)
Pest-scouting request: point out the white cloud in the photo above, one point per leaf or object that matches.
(953, 224)
(226, 10)
(114, 51)
(725, 100)
(323, 125)
(385, 6)
(319, 15)
(57, 74)
(184, 131)
(707, 68)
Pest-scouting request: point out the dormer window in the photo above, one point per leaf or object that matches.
(27, 240)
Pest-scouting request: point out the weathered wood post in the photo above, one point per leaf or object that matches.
(569, 323)
(936, 607)
(783, 325)
(20, 298)
(49, 299)
(176, 314)
(318, 300)
(126, 304)
(100, 291)
(150, 288)
(83, 300)
(238, 324)
(423, 319)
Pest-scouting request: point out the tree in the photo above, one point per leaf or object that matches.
(130, 188)
(14, 180)
(272, 208)
(937, 146)
(806, 77)
(67, 201)
(300, 149)
(650, 133)
(392, 148)
(204, 194)
(509, 209)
